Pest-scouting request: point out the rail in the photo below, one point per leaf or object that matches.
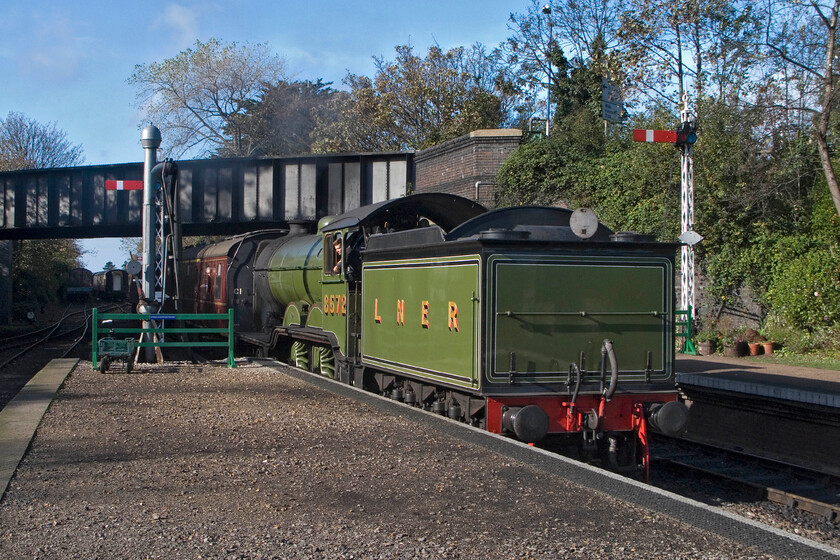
(156, 318)
(687, 331)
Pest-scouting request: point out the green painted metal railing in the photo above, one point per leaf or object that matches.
(96, 318)
(685, 329)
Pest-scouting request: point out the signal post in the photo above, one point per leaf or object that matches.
(683, 139)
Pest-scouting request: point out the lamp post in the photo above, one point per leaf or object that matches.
(547, 11)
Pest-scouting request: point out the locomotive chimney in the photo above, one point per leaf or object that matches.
(301, 227)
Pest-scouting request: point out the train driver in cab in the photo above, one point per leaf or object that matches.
(337, 256)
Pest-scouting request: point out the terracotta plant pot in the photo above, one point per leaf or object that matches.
(755, 348)
(768, 347)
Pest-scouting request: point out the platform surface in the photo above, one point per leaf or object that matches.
(791, 383)
(20, 417)
(264, 462)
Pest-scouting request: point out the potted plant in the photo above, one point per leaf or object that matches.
(707, 342)
(754, 341)
(730, 345)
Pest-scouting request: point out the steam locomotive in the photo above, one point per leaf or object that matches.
(537, 322)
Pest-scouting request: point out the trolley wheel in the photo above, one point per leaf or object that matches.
(103, 364)
(128, 365)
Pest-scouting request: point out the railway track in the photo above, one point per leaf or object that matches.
(789, 485)
(22, 355)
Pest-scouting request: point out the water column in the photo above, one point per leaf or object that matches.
(150, 140)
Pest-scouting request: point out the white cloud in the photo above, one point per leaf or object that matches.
(180, 21)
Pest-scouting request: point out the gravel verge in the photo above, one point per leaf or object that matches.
(181, 461)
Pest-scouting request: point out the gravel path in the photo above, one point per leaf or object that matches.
(183, 462)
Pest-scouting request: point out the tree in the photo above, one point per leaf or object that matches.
(416, 103)
(670, 49)
(28, 144)
(552, 40)
(109, 266)
(802, 38)
(282, 120)
(630, 186)
(131, 246)
(199, 96)
(40, 266)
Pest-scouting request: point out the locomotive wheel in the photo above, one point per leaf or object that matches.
(103, 364)
(324, 361)
(299, 356)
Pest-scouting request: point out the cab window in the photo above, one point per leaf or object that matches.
(333, 248)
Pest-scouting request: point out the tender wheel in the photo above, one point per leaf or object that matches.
(299, 356)
(103, 364)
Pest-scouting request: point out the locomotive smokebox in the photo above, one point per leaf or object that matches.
(529, 423)
(670, 418)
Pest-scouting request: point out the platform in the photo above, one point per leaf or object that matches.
(762, 379)
(20, 417)
(786, 413)
(264, 461)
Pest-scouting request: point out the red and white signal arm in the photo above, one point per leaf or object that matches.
(642, 135)
(120, 185)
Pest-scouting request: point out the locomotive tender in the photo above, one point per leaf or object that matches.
(510, 319)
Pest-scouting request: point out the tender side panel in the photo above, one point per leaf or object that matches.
(420, 317)
(545, 312)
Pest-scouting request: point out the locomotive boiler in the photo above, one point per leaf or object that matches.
(531, 321)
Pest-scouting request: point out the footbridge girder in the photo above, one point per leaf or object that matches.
(216, 196)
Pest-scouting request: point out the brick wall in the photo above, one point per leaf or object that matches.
(457, 165)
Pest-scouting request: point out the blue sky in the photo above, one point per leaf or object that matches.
(67, 62)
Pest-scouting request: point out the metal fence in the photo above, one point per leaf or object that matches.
(155, 336)
(685, 330)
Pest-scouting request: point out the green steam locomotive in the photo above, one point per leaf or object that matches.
(537, 322)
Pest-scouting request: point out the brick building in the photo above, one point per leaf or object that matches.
(467, 165)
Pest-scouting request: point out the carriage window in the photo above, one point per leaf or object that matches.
(217, 288)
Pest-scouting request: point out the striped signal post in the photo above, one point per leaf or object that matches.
(684, 139)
